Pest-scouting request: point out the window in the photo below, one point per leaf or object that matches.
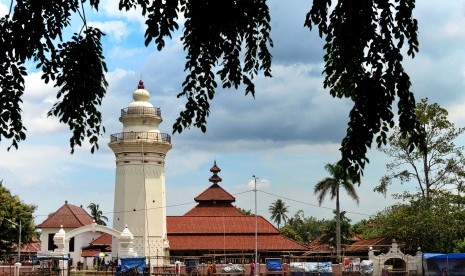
(51, 244)
(71, 245)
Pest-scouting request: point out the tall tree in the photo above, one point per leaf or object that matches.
(225, 41)
(14, 212)
(437, 163)
(278, 210)
(331, 185)
(97, 214)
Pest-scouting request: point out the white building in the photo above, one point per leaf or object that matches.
(68, 217)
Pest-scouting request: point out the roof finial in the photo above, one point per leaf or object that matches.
(141, 85)
(215, 170)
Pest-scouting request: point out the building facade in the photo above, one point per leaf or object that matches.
(68, 217)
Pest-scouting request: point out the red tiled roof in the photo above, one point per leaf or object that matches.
(68, 215)
(215, 193)
(102, 240)
(364, 245)
(233, 242)
(317, 246)
(226, 210)
(33, 246)
(89, 252)
(218, 225)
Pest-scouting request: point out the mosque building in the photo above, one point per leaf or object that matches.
(213, 226)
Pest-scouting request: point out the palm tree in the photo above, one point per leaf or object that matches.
(278, 210)
(97, 214)
(331, 185)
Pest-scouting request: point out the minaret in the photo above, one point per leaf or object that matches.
(140, 201)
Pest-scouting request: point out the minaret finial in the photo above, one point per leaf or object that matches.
(141, 85)
(215, 170)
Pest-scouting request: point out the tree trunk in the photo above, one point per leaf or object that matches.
(338, 226)
(426, 170)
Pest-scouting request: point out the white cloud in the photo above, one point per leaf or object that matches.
(3, 9)
(38, 99)
(262, 184)
(126, 53)
(32, 165)
(457, 112)
(115, 28)
(110, 8)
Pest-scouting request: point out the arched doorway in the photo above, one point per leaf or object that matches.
(396, 265)
(124, 239)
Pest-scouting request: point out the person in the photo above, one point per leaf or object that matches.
(209, 268)
(252, 268)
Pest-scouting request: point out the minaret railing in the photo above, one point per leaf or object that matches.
(149, 136)
(140, 110)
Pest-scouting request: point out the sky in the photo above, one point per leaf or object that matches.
(284, 136)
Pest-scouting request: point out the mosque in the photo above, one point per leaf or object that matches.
(140, 224)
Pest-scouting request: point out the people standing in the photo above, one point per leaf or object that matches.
(252, 268)
(209, 268)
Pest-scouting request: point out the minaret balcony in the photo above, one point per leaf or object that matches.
(140, 110)
(146, 136)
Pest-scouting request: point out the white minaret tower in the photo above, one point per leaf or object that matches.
(140, 202)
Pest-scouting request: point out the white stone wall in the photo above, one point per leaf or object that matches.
(413, 264)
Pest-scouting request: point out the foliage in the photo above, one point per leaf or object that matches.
(364, 229)
(330, 185)
(460, 245)
(438, 163)
(435, 223)
(12, 211)
(245, 212)
(278, 211)
(211, 38)
(329, 232)
(97, 214)
(33, 31)
(290, 233)
(362, 61)
(303, 229)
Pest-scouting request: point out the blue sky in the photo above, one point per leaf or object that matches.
(284, 136)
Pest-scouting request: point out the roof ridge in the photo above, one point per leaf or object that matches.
(67, 216)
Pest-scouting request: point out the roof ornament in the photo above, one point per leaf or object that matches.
(215, 170)
(141, 85)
